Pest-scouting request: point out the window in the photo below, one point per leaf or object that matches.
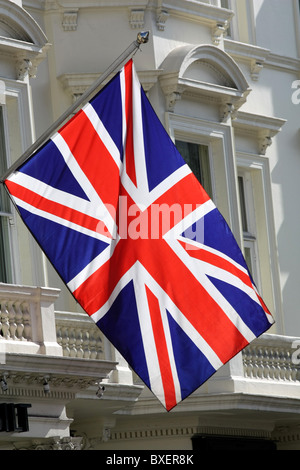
(248, 222)
(197, 157)
(5, 213)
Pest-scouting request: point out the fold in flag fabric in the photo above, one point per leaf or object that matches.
(139, 243)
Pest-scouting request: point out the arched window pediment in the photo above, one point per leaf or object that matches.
(21, 38)
(203, 72)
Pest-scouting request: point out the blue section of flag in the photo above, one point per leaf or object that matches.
(50, 168)
(218, 235)
(250, 312)
(108, 106)
(194, 371)
(162, 157)
(67, 260)
(122, 324)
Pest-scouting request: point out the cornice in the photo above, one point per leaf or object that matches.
(259, 57)
(196, 11)
(259, 122)
(32, 293)
(264, 128)
(216, 18)
(41, 376)
(282, 62)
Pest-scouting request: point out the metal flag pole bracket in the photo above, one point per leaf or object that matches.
(142, 38)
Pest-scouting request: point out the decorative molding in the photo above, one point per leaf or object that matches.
(24, 68)
(137, 19)
(233, 432)
(259, 57)
(285, 434)
(75, 84)
(200, 12)
(227, 86)
(219, 31)
(255, 56)
(263, 143)
(263, 128)
(255, 69)
(25, 42)
(161, 18)
(22, 25)
(53, 443)
(278, 61)
(154, 433)
(69, 21)
(227, 110)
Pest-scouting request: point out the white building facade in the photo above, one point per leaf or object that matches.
(224, 79)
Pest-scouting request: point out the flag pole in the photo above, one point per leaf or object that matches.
(142, 38)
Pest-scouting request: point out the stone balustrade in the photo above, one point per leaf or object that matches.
(27, 320)
(29, 325)
(272, 357)
(78, 336)
(15, 320)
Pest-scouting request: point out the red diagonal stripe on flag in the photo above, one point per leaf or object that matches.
(57, 209)
(216, 260)
(161, 350)
(194, 301)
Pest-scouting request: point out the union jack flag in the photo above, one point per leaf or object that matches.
(139, 243)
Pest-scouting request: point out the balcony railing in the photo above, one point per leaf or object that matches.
(29, 325)
(27, 320)
(78, 336)
(273, 357)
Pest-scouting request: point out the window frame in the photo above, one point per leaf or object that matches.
(247, 213)
(18, 134)
(268, 277)
(6, 215)
(219, 138)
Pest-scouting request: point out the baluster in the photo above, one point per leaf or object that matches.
(277, 364)
(65, 341)
(4, 321)
(72, 342)
(282, 365)
(59, 336)
(248, 362)
(78, 343)
(86, 344)
(272, 366)
(255, 364)
(260, 363)
(12, 323)
(93, 351)
(267, 362)
(99, 348)
(26, 321)
(1, 332)
(19, 322)
(288, 366)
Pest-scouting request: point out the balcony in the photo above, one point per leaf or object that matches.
(52, 361)
(56, 361)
